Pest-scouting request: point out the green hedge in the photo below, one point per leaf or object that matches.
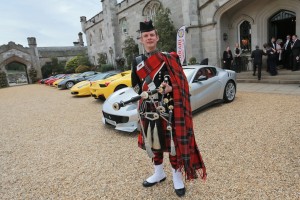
(3, 80)
(33, 75)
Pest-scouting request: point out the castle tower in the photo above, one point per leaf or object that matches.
(110, 18)
(83, 22)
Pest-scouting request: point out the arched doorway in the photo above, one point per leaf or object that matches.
(16, 73)
(281, 24)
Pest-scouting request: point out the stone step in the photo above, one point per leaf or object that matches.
(268, 76)
(273, 81)
(283, 77)
(281, 71)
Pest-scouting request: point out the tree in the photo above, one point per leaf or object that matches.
(166, 30)
(131, 50)
(120, 62)
(53, 67)
(57, 66)
(192, 60)
(74, 62)
(33, 74)
(102, 59)
(15, 66)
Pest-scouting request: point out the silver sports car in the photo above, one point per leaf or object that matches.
(208, 85)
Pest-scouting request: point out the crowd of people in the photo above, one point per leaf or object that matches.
(279, 53)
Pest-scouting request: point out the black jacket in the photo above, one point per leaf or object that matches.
(257, 56)
(287, 48)
(296, 48)
(227, 57)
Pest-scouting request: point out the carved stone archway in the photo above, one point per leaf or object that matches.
(19, 60)
(17, 53)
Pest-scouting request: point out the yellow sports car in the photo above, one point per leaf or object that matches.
(103, 89)
(55, 83)
(83, 88)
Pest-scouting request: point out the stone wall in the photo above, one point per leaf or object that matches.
(206, 21)
(63, 54)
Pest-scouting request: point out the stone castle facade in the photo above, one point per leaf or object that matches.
(212, 25)
(35, 57)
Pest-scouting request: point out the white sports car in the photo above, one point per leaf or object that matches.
(208, 85)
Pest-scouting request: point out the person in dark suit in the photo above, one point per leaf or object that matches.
(256, 55)
(296, 52)
(271, 60)
(287, 53)
(272, 44)
(227, 58)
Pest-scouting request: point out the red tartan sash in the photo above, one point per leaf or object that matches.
(147, 69)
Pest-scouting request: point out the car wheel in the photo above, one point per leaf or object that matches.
(69, 84)
(120, 87)
(229, 92)
(102, 98)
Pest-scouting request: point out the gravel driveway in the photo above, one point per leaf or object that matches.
(54, 146)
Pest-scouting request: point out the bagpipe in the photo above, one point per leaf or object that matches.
(143, 95)
(160, 112)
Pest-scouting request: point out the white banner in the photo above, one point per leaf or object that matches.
(181, 44)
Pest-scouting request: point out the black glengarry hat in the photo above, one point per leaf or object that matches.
(146, 26)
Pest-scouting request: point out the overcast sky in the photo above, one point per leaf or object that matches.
(51, 22)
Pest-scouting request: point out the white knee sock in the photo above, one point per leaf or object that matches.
(177, 179)
(158, 174)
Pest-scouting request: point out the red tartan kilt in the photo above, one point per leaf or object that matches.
(166, 134)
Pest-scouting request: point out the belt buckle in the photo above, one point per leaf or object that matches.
(151, 116)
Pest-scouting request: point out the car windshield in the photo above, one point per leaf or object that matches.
(91, 77)
(189, 73)
(86, 74)
(58, 76)
(98, 77)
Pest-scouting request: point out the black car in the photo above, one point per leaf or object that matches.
(69, 82)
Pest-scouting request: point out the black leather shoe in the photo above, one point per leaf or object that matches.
(147, 184)
(180, 192)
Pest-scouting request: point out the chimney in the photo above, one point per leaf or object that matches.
(81, 43)
(31, 42)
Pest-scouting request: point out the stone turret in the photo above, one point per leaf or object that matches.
(83, 23)
(31, 42)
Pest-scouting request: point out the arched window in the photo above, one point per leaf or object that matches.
(151, 9)
(123, 25)
(245, 36)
